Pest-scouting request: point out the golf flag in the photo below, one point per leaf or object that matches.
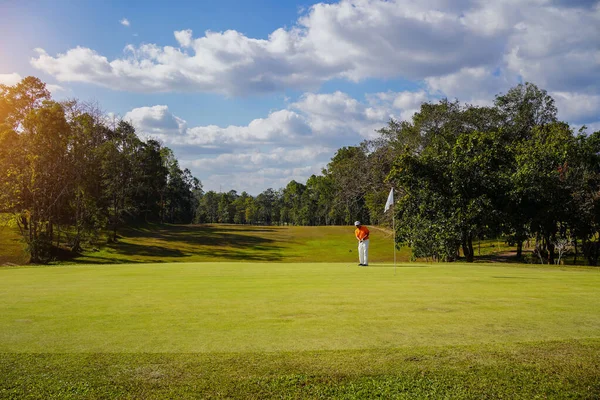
(390, 200)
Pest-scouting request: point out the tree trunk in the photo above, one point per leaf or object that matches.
(33, 245)
(471, 251)
(519, 249)
(465, 248)
(550, 246)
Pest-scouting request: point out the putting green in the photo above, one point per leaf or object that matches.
(273, 307)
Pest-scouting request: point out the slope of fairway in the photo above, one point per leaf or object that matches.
(189, 243)
(241, 307)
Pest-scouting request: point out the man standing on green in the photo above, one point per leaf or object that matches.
(362, 235)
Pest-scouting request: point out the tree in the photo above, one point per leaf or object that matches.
(239, 204)
(348, 172)
(61, 166)
(539, 181)
(151, 198)
(525, 107)
(292, 201)
(87, 134)
(478, 174)
(266, 203)
(251, 210)
(208, 209)
(17, 101)
(44, 178)
(121, 174)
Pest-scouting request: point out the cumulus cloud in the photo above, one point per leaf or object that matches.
(156, 122)
(463, 49)
(558, 48)
(352, 39)
(10, 79)
(290, 143)
(577, 107)
(476, 86)
(56, 90)
(125, 22)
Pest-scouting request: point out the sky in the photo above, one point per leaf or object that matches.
(252, 94)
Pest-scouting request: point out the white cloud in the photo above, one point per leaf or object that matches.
(125, 22)
(353, 39)
(409, 103)
(476, 86)
(577, 107)
(10, 79)
(593, 127)
(156, 122)
(556, 47)
(184, 38)
(291, 143)
(255, 171)
(55, 90)
(465, 49)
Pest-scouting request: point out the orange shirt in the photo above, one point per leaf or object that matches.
(362, 233)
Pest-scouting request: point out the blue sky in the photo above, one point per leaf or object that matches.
(253, 94)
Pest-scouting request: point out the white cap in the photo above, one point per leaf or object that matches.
(357, 223)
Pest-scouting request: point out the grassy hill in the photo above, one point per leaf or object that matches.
(221, 242)
(191, 243)
(299, 330)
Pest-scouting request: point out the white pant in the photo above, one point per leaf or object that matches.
(363, 252)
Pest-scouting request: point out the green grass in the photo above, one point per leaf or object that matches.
(12, 249)
(290, 307)
(554, 370)
(190, 243)
(290, 330)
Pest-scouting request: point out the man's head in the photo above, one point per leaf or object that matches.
(357, 223)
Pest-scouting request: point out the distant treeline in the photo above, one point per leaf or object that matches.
(460, 173)
(67, 172)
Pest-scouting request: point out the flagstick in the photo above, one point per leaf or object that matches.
(390, 203)
(394, 229)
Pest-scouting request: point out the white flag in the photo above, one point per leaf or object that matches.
(390, 200)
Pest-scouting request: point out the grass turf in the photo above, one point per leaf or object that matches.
(299, 330)
(556, 370)
(219, 242)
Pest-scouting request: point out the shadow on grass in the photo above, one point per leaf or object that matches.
(216, 243)
(402, 265)
(509, 258)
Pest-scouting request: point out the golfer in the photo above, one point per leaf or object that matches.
(362, 235)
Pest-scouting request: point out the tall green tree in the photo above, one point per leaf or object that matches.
(348, 172)
(44, 178)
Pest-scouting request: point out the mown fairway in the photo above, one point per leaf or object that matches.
(299, 329)
(221, 242)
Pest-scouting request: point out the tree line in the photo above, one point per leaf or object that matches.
(460, 172)
(69, 173)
